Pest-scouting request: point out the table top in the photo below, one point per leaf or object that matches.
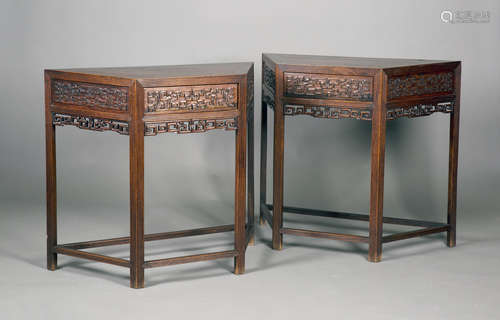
(350, 62)
(165, 71)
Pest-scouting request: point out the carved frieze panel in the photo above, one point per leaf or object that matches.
(189, 126)
(89, 123)
(307, 85)
(90, 94)
(419, 110)
(420, 84)
(191, 98)
(329, 112)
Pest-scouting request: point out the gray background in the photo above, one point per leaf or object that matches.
(189, 178)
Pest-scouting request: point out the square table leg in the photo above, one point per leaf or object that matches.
(263, 161)
(51, 190)
(453, 164)
(240, 196)
(250, 177)
(136, 132)
(452, 178)
(377, 173)
(279, 149)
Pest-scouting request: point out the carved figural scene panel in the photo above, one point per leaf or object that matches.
(191, 98)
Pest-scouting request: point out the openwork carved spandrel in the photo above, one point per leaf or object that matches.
(89, 123)
(419, 84)
(419, 110)
(328, 86)
(189, 126)
(329, 112)
(269, 78)
(191, 98)
(90, 94)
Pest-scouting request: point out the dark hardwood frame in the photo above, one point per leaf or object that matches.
(396, 91)
(96, 110)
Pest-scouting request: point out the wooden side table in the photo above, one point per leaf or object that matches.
(369, 89)
(146, 101)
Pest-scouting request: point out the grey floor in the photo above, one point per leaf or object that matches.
(417, 279)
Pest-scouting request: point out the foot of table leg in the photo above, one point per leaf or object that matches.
(251, 241)
(374, 258)
(279, 148)
(52, 262)
(277, 241)
(239, 264)
(262, 221)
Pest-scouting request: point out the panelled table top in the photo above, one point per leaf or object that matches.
(351, 62)
(166, 72)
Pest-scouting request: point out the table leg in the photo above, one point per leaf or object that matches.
(452, 167)
(240, 196)
(377, 178)
(250, 177)
(50, 154)
(263, 160)
(136, 204)
(279, 149)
